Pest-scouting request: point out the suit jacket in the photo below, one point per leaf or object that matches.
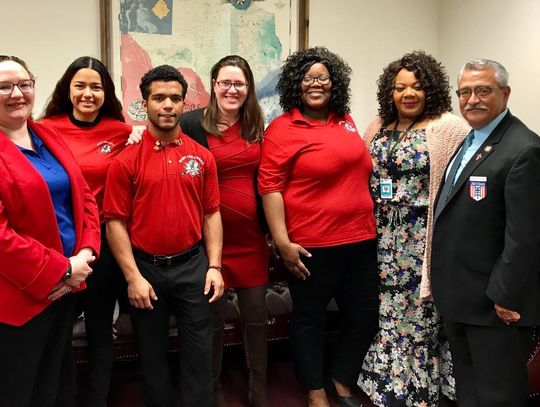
(31, 253)
(487, 251)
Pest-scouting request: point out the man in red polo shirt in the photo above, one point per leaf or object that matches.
(161, 198)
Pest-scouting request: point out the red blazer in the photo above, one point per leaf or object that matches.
(31, 254)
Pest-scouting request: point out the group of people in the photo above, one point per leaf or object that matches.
(424, 230)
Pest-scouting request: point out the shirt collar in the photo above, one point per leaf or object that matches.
(158, 145)
(298, 117)
(36, 141)
(484, 132)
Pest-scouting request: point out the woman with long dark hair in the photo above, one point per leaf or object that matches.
(86, 112)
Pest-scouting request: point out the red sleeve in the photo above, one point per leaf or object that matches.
(274, 167)
(27, 263)
(210, 198)
(118, 192)
(91, 232)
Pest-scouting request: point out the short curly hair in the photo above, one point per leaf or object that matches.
(432, 77)
(165, 73)
(296, 66)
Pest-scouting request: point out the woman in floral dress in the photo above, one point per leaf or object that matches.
(411, 142)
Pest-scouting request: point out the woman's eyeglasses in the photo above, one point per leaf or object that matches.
(226, 85)
(25, 86)
(309, 80)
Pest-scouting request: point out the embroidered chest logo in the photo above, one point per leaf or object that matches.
(348, 126)
(193, 165)
(105, 147)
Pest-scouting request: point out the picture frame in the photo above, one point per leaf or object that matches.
(191, 35)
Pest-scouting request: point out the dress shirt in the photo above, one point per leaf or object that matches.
(480, 135)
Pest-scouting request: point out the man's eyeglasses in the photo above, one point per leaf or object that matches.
(480, 91)
(226, 85)
(25, 86)
(309, 80)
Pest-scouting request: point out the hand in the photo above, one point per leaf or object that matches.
(136, 135)
(507, 316)
(80, 267)
(140, 292)
(214, 279)
(290, 254)
(59, 290)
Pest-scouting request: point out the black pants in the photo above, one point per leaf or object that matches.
(31, 356)
(347, 273)
(180, 291)
(490, 364)
(104, 286)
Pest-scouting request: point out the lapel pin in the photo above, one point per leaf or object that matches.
(487, 149)
(478, 156)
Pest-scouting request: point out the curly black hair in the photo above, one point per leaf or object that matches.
(432, 77)
(165, 73)
(296, 66)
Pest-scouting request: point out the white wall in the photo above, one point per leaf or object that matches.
(506, 31)
(48, 35)
(370, 34)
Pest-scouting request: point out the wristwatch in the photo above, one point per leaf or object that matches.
(67, 276)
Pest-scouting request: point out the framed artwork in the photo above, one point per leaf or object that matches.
(192, 35)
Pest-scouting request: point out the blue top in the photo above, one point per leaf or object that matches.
(57, 180)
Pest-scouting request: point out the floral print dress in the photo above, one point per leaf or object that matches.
(408, 363)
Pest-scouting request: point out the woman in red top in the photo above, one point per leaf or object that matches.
(49, 233)
(314, 180)
(232, 127)
(85, 111)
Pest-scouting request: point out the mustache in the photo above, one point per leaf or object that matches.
(476, 106)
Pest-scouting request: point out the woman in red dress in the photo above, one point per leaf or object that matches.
(231, 127)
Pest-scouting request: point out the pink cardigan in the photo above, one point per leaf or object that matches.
(443, 135)
(31, 259)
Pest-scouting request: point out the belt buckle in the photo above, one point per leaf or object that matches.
(162, 260)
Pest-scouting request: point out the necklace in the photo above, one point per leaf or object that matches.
(393, 143)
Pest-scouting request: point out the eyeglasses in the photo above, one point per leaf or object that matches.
(226, 85)
(309, 80)
(25, 86)
(480, 91)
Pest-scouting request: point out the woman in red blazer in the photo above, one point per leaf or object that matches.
(49, 234)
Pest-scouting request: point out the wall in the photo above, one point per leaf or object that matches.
(366, 33)
(48, 36)
(370, 34)
(501, 30)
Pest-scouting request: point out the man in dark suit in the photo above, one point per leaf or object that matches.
(486, 244)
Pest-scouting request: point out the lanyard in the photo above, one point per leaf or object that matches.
(392, 146)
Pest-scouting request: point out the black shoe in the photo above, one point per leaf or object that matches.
(343, 401)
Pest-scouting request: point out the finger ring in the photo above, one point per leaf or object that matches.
(69, 288)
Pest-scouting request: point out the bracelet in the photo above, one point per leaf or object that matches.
(67, 274)
(218, 268)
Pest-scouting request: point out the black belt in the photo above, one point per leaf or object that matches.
(161, 260)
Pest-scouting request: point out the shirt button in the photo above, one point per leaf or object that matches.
(170, 162)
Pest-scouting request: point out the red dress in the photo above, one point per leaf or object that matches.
(245, 250)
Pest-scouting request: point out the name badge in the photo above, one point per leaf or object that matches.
(478, 188)
(386, 188)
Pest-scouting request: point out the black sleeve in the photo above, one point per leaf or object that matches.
(190, 123)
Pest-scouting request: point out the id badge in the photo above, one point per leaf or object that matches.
(386, 188)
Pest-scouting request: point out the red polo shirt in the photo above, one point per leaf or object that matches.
(322, 170)
(94, 148)
(162, 193)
